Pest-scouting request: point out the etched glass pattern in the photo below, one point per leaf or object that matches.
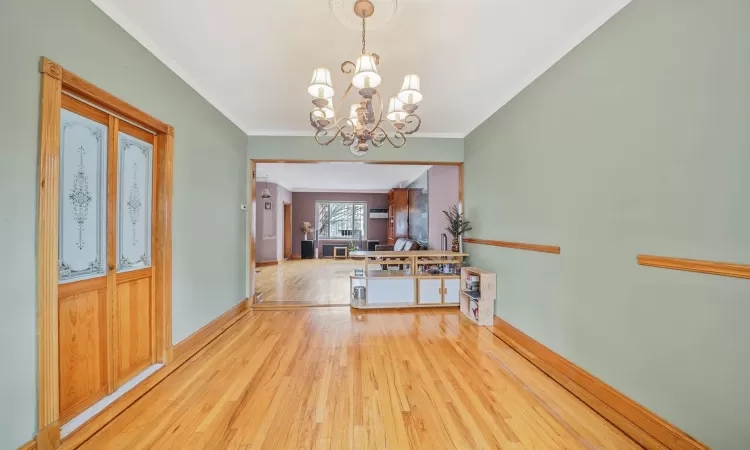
(134, 192)
(82, 241)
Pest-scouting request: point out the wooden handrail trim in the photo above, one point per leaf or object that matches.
(696, 265)
(517, 245)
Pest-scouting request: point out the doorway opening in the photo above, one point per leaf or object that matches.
(330, 210)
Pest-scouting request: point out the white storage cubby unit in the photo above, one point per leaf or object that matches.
(479, 306)
(407, 279)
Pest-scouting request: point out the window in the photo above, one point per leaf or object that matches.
(341, 220)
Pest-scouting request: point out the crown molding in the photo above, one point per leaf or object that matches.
(343, 191)
(312, 133)
(111, 10)
(114, 13)
(554, 58)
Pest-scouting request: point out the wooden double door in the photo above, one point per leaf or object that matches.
(106, 235)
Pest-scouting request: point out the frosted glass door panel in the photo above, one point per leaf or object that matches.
(82, 242)
(134, 192)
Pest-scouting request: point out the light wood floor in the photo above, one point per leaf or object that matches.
(332, 378)
(305, 282)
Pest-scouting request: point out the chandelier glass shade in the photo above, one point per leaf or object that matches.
(321, 86)
(410, 90)
(365, 122)
(366, 73)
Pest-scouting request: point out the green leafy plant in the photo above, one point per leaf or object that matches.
(457, 224)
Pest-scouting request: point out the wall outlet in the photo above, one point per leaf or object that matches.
(243, 207)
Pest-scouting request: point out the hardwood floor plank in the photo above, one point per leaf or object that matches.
(336, 379)
(312, 282)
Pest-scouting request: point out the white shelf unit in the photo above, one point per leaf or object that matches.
(479, 306)
(410, 286)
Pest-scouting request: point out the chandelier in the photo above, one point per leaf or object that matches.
(363, 125)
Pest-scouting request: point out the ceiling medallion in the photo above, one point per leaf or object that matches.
(363, 125)
(342, 11)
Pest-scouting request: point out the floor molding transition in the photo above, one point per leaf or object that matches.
(266, 263)
(201, 335)
(31, 445)
(642, 425)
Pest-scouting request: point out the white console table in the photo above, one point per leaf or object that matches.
(411, 285)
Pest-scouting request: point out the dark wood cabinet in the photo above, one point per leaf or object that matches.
(308, 251)
(398, 214)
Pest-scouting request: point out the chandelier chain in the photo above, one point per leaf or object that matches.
(363, 34)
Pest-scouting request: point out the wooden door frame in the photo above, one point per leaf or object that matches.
(287, 231)
(55, 81)
(252, 210)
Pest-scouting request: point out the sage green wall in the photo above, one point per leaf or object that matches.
(638, 141)
(209, 180)
(305, 147)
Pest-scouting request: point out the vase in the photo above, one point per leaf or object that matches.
(455, 245)
(306, 236)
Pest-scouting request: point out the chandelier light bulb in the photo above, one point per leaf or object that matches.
(396, 110)
(366, 73)
(410, 93)
(320, 85)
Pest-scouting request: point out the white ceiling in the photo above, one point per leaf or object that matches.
(339, 177)
(253, 59)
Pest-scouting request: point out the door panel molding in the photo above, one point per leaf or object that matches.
(133, 275)
(132, 329)
(92, 284)
(83, 350)
(55, 80)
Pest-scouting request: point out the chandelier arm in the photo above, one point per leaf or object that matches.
(346, 64)
(314, 122)
(398, 137)
(378, 136)
(411, 122)
(341, 127)
(324, 132)
(341, 100)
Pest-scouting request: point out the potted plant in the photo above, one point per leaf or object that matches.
(306, 228)
(457, 225)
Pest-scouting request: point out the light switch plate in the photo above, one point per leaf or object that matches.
(243, 207)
